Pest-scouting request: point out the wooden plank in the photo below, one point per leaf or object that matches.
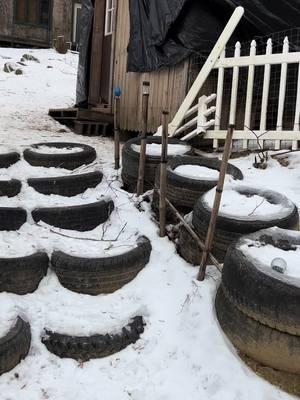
(96, 52)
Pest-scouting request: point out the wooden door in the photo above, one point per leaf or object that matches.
(100, 92)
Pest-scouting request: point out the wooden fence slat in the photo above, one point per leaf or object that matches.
(297, 110)
(266, 86)
(249, 95)
(219, 98)
(234, 88)
(282, 90)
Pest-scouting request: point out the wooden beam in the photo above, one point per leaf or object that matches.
(96, 53)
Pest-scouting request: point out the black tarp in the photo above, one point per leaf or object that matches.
(165, 32)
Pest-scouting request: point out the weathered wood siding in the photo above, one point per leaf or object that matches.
(24, 33)
(62, 19)
(167, 86)
(61, 22)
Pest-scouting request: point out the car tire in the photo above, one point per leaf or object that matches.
(69, 161)
(96, 276)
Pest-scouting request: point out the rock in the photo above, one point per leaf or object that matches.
(10, 67)
(29, 57)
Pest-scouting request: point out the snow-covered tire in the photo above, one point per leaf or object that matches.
(14, 346)
(60, 160)
(68, 186)
(22, 275)
(10, 188)
(101, 275)
(80, 218)
(11, 219)
(130, 162)
(268, 346)
(228, 229)
(84, 348)
(8, 159)
(270, 298)
(182, 191)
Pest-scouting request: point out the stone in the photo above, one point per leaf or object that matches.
(29, 57)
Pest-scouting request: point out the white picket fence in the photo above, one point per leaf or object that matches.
(251, 61)
(212, 128)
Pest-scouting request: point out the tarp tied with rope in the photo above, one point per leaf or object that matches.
(165, 32)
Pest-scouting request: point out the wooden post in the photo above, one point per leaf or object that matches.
(117, 93)
(145, 103)
(163, 174)
(192, 233)
(216, 206)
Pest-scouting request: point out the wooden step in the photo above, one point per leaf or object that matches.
(63, 113)
(91, 128)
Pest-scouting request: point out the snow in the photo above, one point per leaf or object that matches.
(183, 352)
(196, 172)
(238, 205)
(265, 254)
(154, 149)
(54, 150)
(8, 316)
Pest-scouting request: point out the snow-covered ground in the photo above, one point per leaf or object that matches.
(182, 353)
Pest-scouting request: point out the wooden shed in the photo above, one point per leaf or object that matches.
(39, 22)
(168, 86)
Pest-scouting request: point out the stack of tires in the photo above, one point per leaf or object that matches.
(257, 306)
(183, 190)
(91, 276)
(131, 156)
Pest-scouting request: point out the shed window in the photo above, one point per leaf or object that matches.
(32, 12)
(109, 17)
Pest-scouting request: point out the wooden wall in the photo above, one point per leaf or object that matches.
(16, 32)
(61, 21)
(167, 86)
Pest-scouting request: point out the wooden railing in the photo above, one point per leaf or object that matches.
(212, 128)
(251, 61)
